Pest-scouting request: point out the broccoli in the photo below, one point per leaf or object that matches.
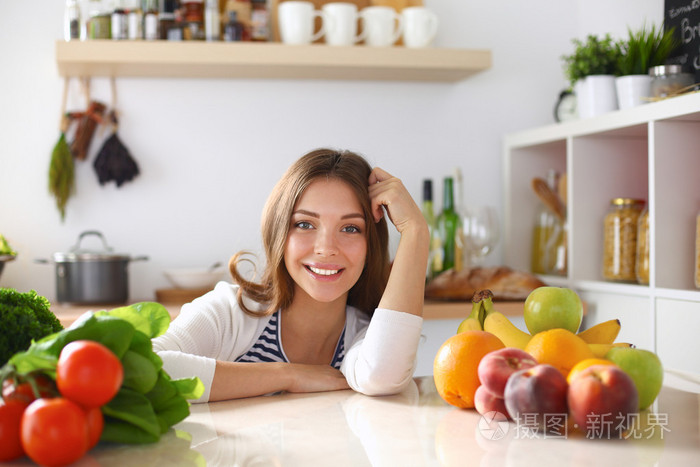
(23, 317)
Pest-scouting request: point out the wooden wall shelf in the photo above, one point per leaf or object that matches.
(270, 60)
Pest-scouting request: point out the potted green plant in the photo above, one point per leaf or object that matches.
(591, 72)
(642, 50)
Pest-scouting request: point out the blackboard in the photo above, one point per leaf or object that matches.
(684, 15)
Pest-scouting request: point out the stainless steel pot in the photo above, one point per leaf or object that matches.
(92, 277)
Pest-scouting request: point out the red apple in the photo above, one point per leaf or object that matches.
(602, 400)
(496, 367)
(536, 398)
(485, 401)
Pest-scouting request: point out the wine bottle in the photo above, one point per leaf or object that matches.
(429, 216)
(447, 229)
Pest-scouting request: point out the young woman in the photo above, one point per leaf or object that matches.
(329, 311)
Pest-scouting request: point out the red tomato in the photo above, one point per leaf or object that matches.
(24, 392)
(95, 422)
(54, 431)
(10, 417)
(88, 373)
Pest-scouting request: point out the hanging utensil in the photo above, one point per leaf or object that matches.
(549, 197)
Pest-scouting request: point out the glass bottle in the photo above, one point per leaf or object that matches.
(541, 262)
(641, 268)
(99, 20)
(150, 20)
(447, 227)
(429, 216)
(71, 25)
(212, 21)
(166, 19)
(233, 31)
(620, 239)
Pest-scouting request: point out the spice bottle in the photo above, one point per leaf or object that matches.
(641, 268)
(99, 20)
(620, 239)
(150, 20)
(212, 21)
(134, 20)
(120, 24)
(71, 25)
(166, 21)
(260, 21)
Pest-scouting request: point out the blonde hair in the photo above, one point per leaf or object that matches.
(276, 287)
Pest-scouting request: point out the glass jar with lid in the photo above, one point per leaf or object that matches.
(669, 80)
(620, 239)
(642, 261)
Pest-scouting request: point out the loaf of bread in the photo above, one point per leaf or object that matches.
(504, 282)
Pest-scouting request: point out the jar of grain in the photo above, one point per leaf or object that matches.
(642, 262)
(620, 239)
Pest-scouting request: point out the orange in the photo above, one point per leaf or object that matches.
(560, 348)
(583, 364)
(456, 363)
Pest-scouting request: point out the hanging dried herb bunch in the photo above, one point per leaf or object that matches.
(113, 161)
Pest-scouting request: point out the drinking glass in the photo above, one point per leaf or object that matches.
(480, 232)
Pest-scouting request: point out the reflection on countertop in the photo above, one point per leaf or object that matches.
(413, 428)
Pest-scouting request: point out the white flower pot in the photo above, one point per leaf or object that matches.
(632, 90)
(595, 95)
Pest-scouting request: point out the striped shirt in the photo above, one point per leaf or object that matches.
(268, 346)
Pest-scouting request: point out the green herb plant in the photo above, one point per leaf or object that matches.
(149, 402)
(5, 248)
(644, 49)
(24, 317)
(595, 56)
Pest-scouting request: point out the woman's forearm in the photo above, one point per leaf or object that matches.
(235, 380)
(406, 286)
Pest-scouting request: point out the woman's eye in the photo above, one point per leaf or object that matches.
(351, 229)
(303, 225)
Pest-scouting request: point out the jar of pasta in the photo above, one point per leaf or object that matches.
(642, 262)
(620, 239)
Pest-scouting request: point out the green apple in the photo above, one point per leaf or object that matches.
(553, 307)
(645, 369)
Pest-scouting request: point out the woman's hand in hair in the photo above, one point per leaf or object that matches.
(388, 192)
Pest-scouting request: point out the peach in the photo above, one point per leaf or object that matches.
(536, 398)
(602, 400)
(485, 401)
(496, 367)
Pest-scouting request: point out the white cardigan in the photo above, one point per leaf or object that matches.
(380, 354)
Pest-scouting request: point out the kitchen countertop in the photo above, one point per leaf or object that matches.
(414, 428)
(67, 313)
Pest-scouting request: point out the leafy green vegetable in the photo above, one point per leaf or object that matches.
(149, 402)
(61, 174)
(23, 317)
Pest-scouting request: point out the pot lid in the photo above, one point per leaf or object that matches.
(77, 253)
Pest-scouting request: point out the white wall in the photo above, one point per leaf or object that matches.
(210, 150)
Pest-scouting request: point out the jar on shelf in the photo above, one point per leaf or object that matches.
(669, 80)
(641, 268)
(620, 239)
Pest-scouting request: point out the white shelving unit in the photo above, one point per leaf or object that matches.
(650, 152)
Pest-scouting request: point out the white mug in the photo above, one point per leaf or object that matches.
(382, 25)
(341, 28)
(419, 26)
(296, 22)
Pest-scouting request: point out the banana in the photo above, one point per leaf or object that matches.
(599, 350)
(500, 326)
(469, 324)
(601, 333)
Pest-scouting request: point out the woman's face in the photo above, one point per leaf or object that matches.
(326, 245)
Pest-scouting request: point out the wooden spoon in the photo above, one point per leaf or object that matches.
(549, 197)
